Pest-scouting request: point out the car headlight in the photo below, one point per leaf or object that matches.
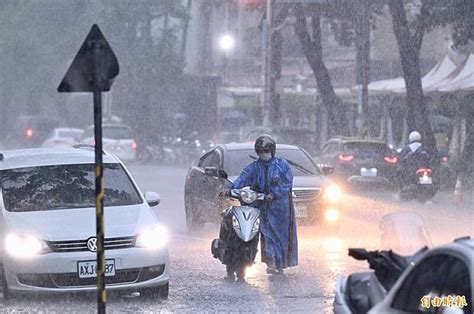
(20, 246)
(235, 223)
(155, 238)
(331, 214)
(256, 225)
(248, 196)
(332, 193)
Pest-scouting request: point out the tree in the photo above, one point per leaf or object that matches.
(411, 20)
(313, 50)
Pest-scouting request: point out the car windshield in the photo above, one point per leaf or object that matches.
(370, 149)
(64, 187)
(299, 161)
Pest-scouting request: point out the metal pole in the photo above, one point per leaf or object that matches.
(99, 184)
(267, 62)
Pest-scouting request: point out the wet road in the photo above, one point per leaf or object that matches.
(198, 279)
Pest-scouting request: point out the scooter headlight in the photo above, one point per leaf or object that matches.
(235, 223)
(248, 196)
(153, 239)
(19, 246)
(256, 225)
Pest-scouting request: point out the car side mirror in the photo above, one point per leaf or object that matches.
(214, 172)
(152, 198)
(211, 171)
(326, 169)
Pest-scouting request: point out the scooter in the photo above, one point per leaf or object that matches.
(237, 244)
(359, 292)
(420, 187)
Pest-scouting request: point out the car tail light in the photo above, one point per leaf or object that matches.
(346, 157)
(445, 159)
(29, 133)
(134, 145)
(424, 171)
(390, 159)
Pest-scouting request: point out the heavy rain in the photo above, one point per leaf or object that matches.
(353, 120)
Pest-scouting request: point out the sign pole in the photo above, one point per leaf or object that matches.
(93, 70)
(99, 201)
(99, 180)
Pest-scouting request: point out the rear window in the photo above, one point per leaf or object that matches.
(64, 187)
(112, 132)
(117, 133)
(76, 135)
(360, 148)
(237, 160)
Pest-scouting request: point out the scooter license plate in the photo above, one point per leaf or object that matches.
(425, 180)
(300, 211)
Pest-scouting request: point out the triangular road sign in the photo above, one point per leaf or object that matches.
(94, 67)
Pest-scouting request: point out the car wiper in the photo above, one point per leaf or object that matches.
(294, 164)
(300, 167)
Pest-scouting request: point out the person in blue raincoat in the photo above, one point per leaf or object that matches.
(272, 175)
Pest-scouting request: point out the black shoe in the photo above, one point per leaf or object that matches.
(274, 271)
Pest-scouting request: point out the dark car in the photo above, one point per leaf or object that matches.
(314, 197)
(356, 160)
(302, 137)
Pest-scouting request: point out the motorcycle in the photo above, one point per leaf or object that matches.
(403, 232)
(419, 187)
(237, 244)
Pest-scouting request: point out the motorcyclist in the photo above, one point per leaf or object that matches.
(272, 175)
(413, 157)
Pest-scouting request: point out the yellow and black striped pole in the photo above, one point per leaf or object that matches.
(99, 201)
(99, 182)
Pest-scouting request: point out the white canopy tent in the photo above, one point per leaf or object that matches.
(463, 80)
(439, 73)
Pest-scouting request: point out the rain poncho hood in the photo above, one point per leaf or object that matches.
(277, 222)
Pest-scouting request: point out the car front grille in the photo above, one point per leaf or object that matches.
(70, 280)
(81, 245)
(306, 194)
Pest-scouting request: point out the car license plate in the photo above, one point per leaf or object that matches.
(426, 180)
(300, 211)
(88, 269)
(368, 172)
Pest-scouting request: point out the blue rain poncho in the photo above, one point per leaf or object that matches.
(277, 221)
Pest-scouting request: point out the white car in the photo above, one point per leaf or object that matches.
(116, 138)
(63, 138)
(48, 225)
(441, 281)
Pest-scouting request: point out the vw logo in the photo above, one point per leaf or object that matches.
(92, 244)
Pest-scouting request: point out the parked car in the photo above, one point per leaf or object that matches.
(29, 131)
(315, 199)
(117, 139)
(441, 281)
(63, 138)
(357, 160)
(48, 232)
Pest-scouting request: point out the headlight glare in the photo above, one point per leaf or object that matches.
(332, 193)
(155, 238)
(24, 246)
(331, 214)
